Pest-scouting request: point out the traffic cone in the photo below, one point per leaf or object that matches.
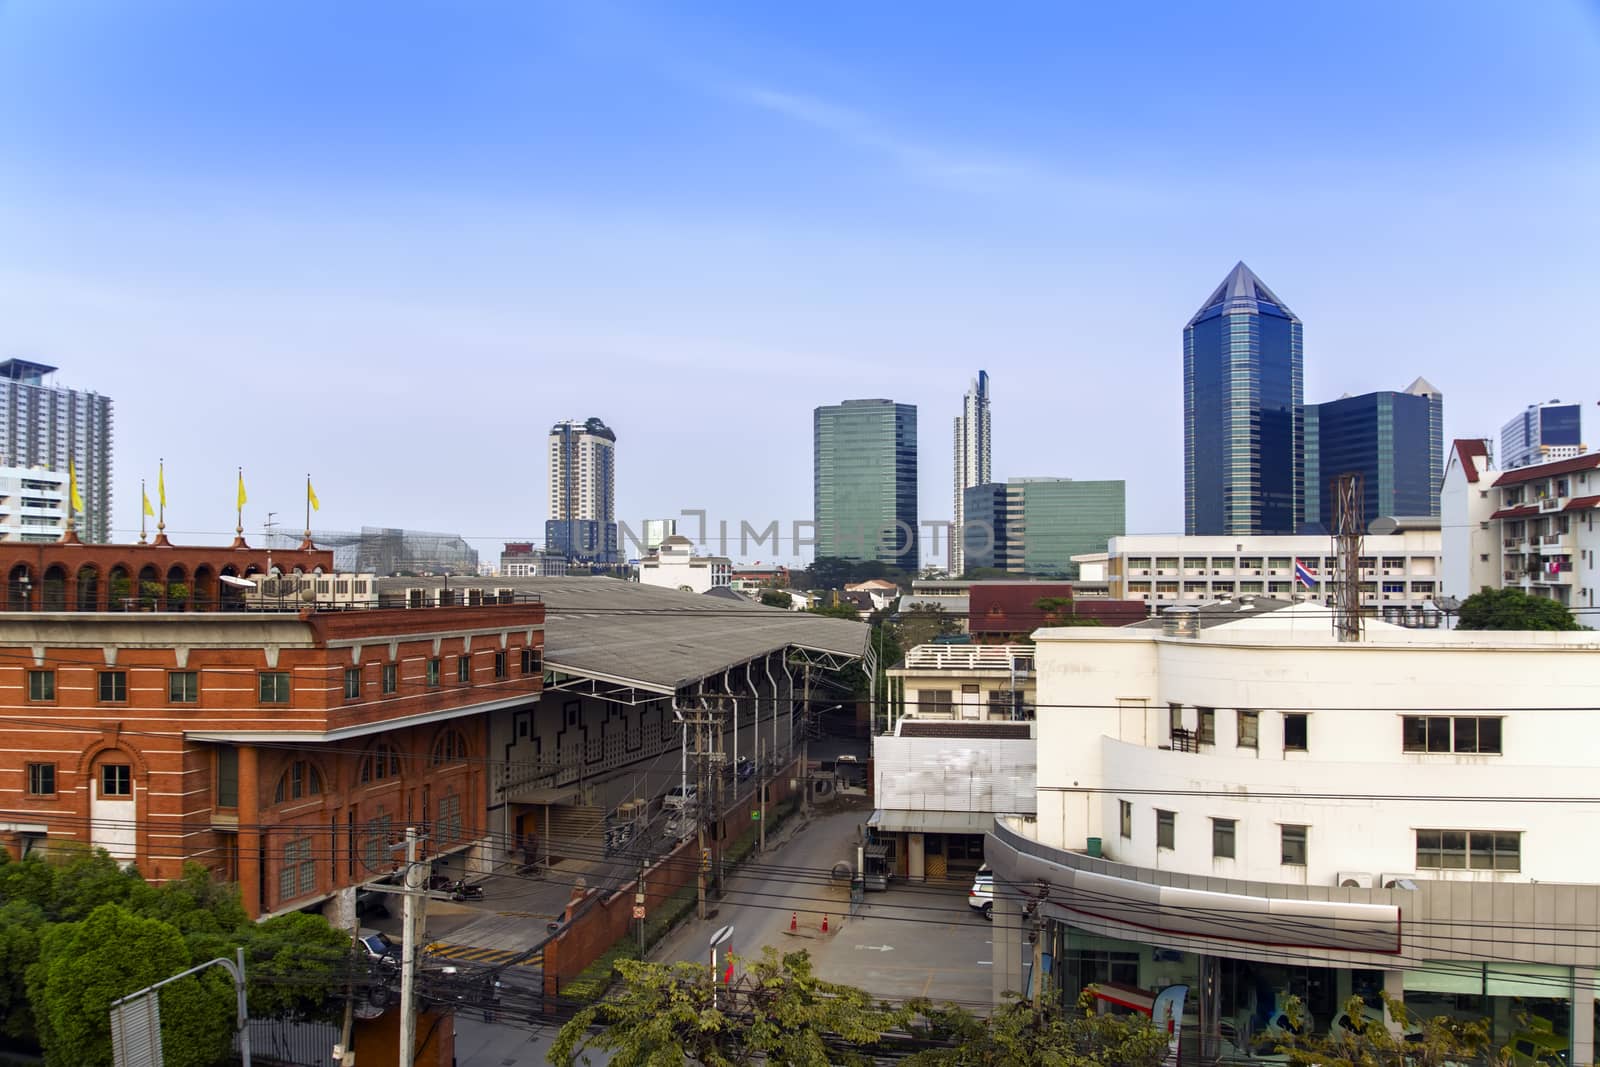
(794, 921)
(824, 924)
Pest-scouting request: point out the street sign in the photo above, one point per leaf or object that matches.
(755, 814)
(638, 911)
(721, 935)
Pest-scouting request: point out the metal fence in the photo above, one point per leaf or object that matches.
(290, 1043)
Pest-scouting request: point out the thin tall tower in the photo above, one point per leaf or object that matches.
(972, 459)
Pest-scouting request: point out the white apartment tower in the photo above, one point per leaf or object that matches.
(971, 458)
(48, 426)
(583, 501)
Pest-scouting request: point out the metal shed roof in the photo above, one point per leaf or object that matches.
(665, 639)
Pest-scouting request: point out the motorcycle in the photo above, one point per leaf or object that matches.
(461, 890)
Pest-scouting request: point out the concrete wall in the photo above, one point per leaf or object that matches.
(1103, 717)
(954, 774)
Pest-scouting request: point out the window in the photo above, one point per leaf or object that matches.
(451, 746)
(227, 777)
(274, 687)
(499, 664)
(1208, 726)
(300, 780)
(1439, 733)
(183, 687)
(298, 875)
(1249, 728)
(464, 669)
(381, 763)
(391, 678)
(1222, 835)
(376, 851)
(532, 661)
(1294, 731)
(352, 683)
(42, 779)
(1294, 846)
(113, 687)
(41, 685)
(1174, 717)
(1125, 809)
(1480, 850)
(934, 701)
(116, 780)
(1166, 828)
(433, 674)
(449, 828)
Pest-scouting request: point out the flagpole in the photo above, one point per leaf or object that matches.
(161, 492)
(238, 528)
(308, 505)
(144, 502)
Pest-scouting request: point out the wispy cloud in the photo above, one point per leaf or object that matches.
(966, 169)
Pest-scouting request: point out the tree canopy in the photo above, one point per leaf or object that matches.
(1512, 609)
(78, 930)
(776, 598)
(780, 1013)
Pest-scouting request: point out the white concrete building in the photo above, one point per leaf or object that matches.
(972, 459)
(1400, 571)
(1258, 810)
(1467, 499)
(1532, 528)
(33, 504)
(675, 566)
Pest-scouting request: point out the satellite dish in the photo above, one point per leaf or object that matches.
(1383, 524)
(308, 595)
(242, 583)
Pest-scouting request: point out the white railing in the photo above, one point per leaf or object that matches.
(941, 657)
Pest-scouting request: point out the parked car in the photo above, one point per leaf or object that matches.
(680, 797)
(379, 948)
(981, 895)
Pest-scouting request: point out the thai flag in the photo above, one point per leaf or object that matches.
(1304, 575)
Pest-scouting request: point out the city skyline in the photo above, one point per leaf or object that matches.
(788, 205)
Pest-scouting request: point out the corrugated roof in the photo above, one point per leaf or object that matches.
(665, 639)
(654, 638)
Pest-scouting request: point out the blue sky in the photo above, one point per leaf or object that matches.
(391, 243)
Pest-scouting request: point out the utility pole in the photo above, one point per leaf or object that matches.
(1036, 913)
(408, 955)
(805, 742)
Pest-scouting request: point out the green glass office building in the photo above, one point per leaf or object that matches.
(864, 479)
(1058, 518)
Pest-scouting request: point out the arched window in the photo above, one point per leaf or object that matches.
(302, 779)
(382, 763)
(451, 747)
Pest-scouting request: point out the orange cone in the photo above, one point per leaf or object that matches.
(824, 924)
(794, 921)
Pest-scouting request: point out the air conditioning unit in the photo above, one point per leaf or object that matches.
(1398, 881)
(1354, 880)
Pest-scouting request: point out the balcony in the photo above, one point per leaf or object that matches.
(1556, 543)
(1551, 503)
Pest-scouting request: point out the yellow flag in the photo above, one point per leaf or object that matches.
(311, 495)
(148, 510)
(242, 497)
(72, 484)
(161, 486)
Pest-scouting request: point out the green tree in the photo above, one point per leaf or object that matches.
(296, 965)
(1016, 1035)
(776, 598)
(21, 923)
(786, 1017)
(1061, 611)
(837, 611)
(84, 966)
(1361, 1039)
(922, 623)
(1512, 609)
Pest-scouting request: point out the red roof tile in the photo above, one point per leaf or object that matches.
(1545, 470)
(1013, 607)
(1582, 503)
(1521, 511)
(1466, 448)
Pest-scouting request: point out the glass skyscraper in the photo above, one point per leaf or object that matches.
(864, 479)
(1034, 526)
(1243, 394)
(1542, 433)
(54, 427)
(1395, 439)
(971, 458)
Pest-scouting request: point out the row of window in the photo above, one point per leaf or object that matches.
(274, 687)
(1478, 850)
(1282, 563)
(1475, 734)
(116, 779)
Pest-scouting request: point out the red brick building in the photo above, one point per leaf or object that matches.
(285, 750)
(1005, 612)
